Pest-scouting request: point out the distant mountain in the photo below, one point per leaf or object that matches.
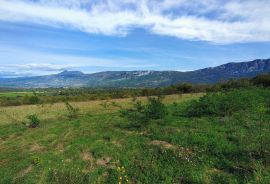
(141, 78)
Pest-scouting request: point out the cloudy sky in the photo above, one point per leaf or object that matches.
(40, 37)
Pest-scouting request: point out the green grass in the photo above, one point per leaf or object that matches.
(99, 146)
(14, 94)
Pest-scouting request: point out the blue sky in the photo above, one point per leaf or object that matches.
(39, 37)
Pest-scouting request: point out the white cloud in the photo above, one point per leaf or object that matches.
(36, 66)
(215, 21)
(40, 63)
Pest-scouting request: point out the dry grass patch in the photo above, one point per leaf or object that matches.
(56, 111)
(3, 162)
(117, 143)
(23, 172)
(36, 148)
(60, 147)
(163, 144)
(103, 161)
(86, 156)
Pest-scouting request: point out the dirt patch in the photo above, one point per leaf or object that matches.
(89, 159)
(214, 170)
(60, 147)
(86, 156)
(24, 172)
(164, 144)
(68, 160)
(27, 170)
(36, 148)
(3, 162)
(2, 141)
(144, 133)
(117, 143)
(128, 132)
(103, 161)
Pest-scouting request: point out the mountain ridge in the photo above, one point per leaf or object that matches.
(141, 78)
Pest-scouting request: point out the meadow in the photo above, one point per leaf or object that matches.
(202, 138)
(14, 94)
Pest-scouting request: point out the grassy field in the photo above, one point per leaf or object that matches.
(99, 146)
(14, 94)
(47, 112)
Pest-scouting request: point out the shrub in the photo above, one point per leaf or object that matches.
(142, 114)
(36, 160)
(72, 111)
(227, 103)
(135, 113)
(231, 84)
(155, 109)
(262, 79)
(184, 88)
(30, 99)
(34, 121)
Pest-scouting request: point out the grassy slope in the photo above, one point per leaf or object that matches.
(91, 147)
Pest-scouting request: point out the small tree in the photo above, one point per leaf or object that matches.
(142, 114)
(34, 120)
(155, 109)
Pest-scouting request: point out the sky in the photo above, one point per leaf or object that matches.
(40, 37)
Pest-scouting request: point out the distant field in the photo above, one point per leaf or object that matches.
(14, 94)
(15, 114)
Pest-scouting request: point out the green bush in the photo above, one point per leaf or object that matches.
(262, 79)
(227, 103)
(155, 109)
(142, 114)
(30, 99)
(34, 120)
(36, 160)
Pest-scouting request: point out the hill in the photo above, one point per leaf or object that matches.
(141, 78)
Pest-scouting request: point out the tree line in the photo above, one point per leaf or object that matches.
(53, 95)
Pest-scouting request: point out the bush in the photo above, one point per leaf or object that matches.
(36, 160)
(72, 111)
(142, 114)
(184, 88)
(262, 79)
(30, 99)
(227, 103)
(155, 109)
(34, 121)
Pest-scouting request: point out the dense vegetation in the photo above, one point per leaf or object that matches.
(221, 137)
(9, 97)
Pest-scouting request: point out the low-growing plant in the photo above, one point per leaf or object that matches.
(34, 120)
(72, 111)
(155, 109)
(68, 175)
(36, 160)
(226, 103)
(142, 114)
